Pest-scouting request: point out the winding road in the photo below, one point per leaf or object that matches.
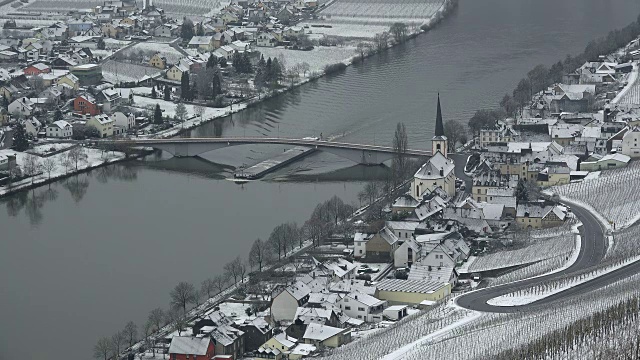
(592, 251)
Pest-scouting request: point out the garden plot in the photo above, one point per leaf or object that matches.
(116, 72)
(148, 49)
(557, 243)
(317, 58)
(364, 19)
(612, 194)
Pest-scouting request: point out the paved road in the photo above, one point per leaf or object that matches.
(594, 245)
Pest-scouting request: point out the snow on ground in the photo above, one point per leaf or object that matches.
(49, 148)
(94, 158)
(364, 19)
(49, 5)
(545, 244)
(617, 204)
(539, 292)
(631, 93)
(165, 50)
(116, 72)
(317, 58)
(169, 108)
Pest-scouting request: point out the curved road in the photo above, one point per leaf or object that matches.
(592, 250)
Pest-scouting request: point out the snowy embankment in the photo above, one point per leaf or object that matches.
(617, 205)
(631, 92)
(539, 292)
(543, 245)
(94, 158)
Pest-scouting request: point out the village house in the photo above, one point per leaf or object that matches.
(202, 43)
(103, 123)
(70, 80)
(109, 99)
(323, 335)
(32, 126)
(257, 332)
(158, 61)
(266, 39)
(285, 304)
(382, 246)
(610, 161)
(126, 122)
(228, 339)
(540, 216)
(190, 347)
(362, 306)
(86, 104)
(37, 69)
(59, 129)
(176, 71)
(630, 145)
(21, 107)
(167, 30)
(281, 342)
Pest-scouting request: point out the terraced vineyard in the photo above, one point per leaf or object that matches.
(171, 7)
(376, 11)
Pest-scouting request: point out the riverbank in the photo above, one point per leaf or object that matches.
(213, 114)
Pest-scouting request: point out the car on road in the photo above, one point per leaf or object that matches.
(366, 269)
(314, 138)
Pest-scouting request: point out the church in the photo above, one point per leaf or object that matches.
(439, 170)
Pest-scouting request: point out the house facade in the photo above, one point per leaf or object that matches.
(103, 123)
(86, 104)
(60, 129)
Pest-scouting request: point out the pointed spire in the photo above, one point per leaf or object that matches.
(439, 125)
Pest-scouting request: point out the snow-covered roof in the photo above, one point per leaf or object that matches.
(362, 237)
(431, 273)
(365, 299)
(286, 340)
(402, 225)
(617, 157)
(200, 40)
(321, 332)
(412, 286)
(431, 169)
(189, 345)
(298, 290)
(303, 349)
(61, 124)
(340, 267)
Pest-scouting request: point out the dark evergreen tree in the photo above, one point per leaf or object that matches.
(216, 84)
(153, 92)
(211, 62)
(187, 30)
(5, 102)
(237, 62)
(246, 63)
(522, 193)
(167, 93)
(20, 142)
(185, 91)
(222, 62)
(58, 115)
(200, 29)
(157, 115)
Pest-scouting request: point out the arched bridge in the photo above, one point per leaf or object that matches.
(359, 153)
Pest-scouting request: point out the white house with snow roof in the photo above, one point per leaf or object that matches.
(285, 304)
(59, 129)
(328, 336)
(191, 347)
(362, 306)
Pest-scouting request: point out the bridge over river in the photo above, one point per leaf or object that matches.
(359, 153)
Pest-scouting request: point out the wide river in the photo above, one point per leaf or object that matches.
(81, 258)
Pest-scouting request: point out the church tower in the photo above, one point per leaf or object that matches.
(439, 141)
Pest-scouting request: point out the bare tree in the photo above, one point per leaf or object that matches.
(235, 269)
(399, 32)
(207, 287)
(131, 332)
(147, 329)
(277, 240)
(49, 165)
(117, 342)
(183, 294)
(102, 349)
(178, 321)
(400, 146)
(381, 40)
(199, 110)
(220, 282)
(257, 254)
(305, 67)
(157, 319)
(31, 166)
(454, 131)
(77, 155)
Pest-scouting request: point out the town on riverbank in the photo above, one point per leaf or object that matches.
(377, 281)
(117, 70)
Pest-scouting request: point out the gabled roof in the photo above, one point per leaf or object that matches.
(431, 169)
(298, 290)
(189, 345)
(365, 299)
(200, 40)
(321, 332)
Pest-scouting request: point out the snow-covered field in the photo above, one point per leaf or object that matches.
(150, 48)
(612, 194)
(191, 7)
(364, 19)
(317, 58)
(45, 149)
(544, 245)
(59, 5)
(116, 72)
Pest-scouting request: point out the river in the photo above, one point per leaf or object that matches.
(81, 258)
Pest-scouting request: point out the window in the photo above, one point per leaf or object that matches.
(360, 309)
(347, 307)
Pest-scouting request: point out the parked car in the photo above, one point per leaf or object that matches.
(366, 269)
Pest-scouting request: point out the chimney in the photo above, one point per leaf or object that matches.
(441, 171)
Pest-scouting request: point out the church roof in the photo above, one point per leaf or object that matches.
(431, 169)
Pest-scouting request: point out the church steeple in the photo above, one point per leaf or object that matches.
(439, 142)
(439, 125)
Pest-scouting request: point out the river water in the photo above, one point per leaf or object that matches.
(81, 258)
